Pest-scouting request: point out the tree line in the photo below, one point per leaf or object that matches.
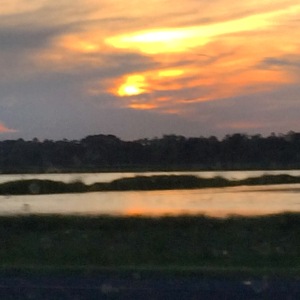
(170, 152)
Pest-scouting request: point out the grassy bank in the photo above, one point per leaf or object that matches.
(159, 182)
(260, 244)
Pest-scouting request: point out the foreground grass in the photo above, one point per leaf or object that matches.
(159, 182)
(187, 243)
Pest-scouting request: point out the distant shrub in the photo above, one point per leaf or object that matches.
(33, 186)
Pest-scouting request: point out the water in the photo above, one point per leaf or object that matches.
(259, 200)
(214, 202)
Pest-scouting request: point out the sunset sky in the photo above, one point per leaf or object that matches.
(73, 68)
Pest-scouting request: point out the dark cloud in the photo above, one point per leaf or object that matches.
(18, 39)
(257, 113)
(18, 45)
(284, 61)
(57, 104)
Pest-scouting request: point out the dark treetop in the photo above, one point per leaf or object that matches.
(171, 152)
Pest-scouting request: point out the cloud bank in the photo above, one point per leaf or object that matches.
(69, 69)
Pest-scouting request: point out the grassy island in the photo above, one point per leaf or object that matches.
(157, 182)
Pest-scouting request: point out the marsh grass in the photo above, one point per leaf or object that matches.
(190, 242)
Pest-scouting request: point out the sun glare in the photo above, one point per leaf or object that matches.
(134, 85)
(139, 83)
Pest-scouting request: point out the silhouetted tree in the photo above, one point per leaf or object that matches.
(108, 152)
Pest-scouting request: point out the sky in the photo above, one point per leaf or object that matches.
(73, 68)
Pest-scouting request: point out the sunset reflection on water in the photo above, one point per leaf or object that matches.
(219, 202)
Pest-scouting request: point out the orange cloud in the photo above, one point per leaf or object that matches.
(227, 77)
(9, 7)
(77, 44)
(4, 129)
(69, 51)
(182, 39)
(217, 60)
(194, 60)
(142, 106)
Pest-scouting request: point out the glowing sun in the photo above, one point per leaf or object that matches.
(134, 85)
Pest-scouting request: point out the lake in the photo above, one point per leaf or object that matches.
(253, 200)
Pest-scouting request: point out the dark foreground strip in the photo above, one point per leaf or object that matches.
(136, 286)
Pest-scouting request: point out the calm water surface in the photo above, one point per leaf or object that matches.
(257, 200)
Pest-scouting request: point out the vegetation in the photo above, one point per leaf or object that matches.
(195, 243)
(158, 182)
(109, 153)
